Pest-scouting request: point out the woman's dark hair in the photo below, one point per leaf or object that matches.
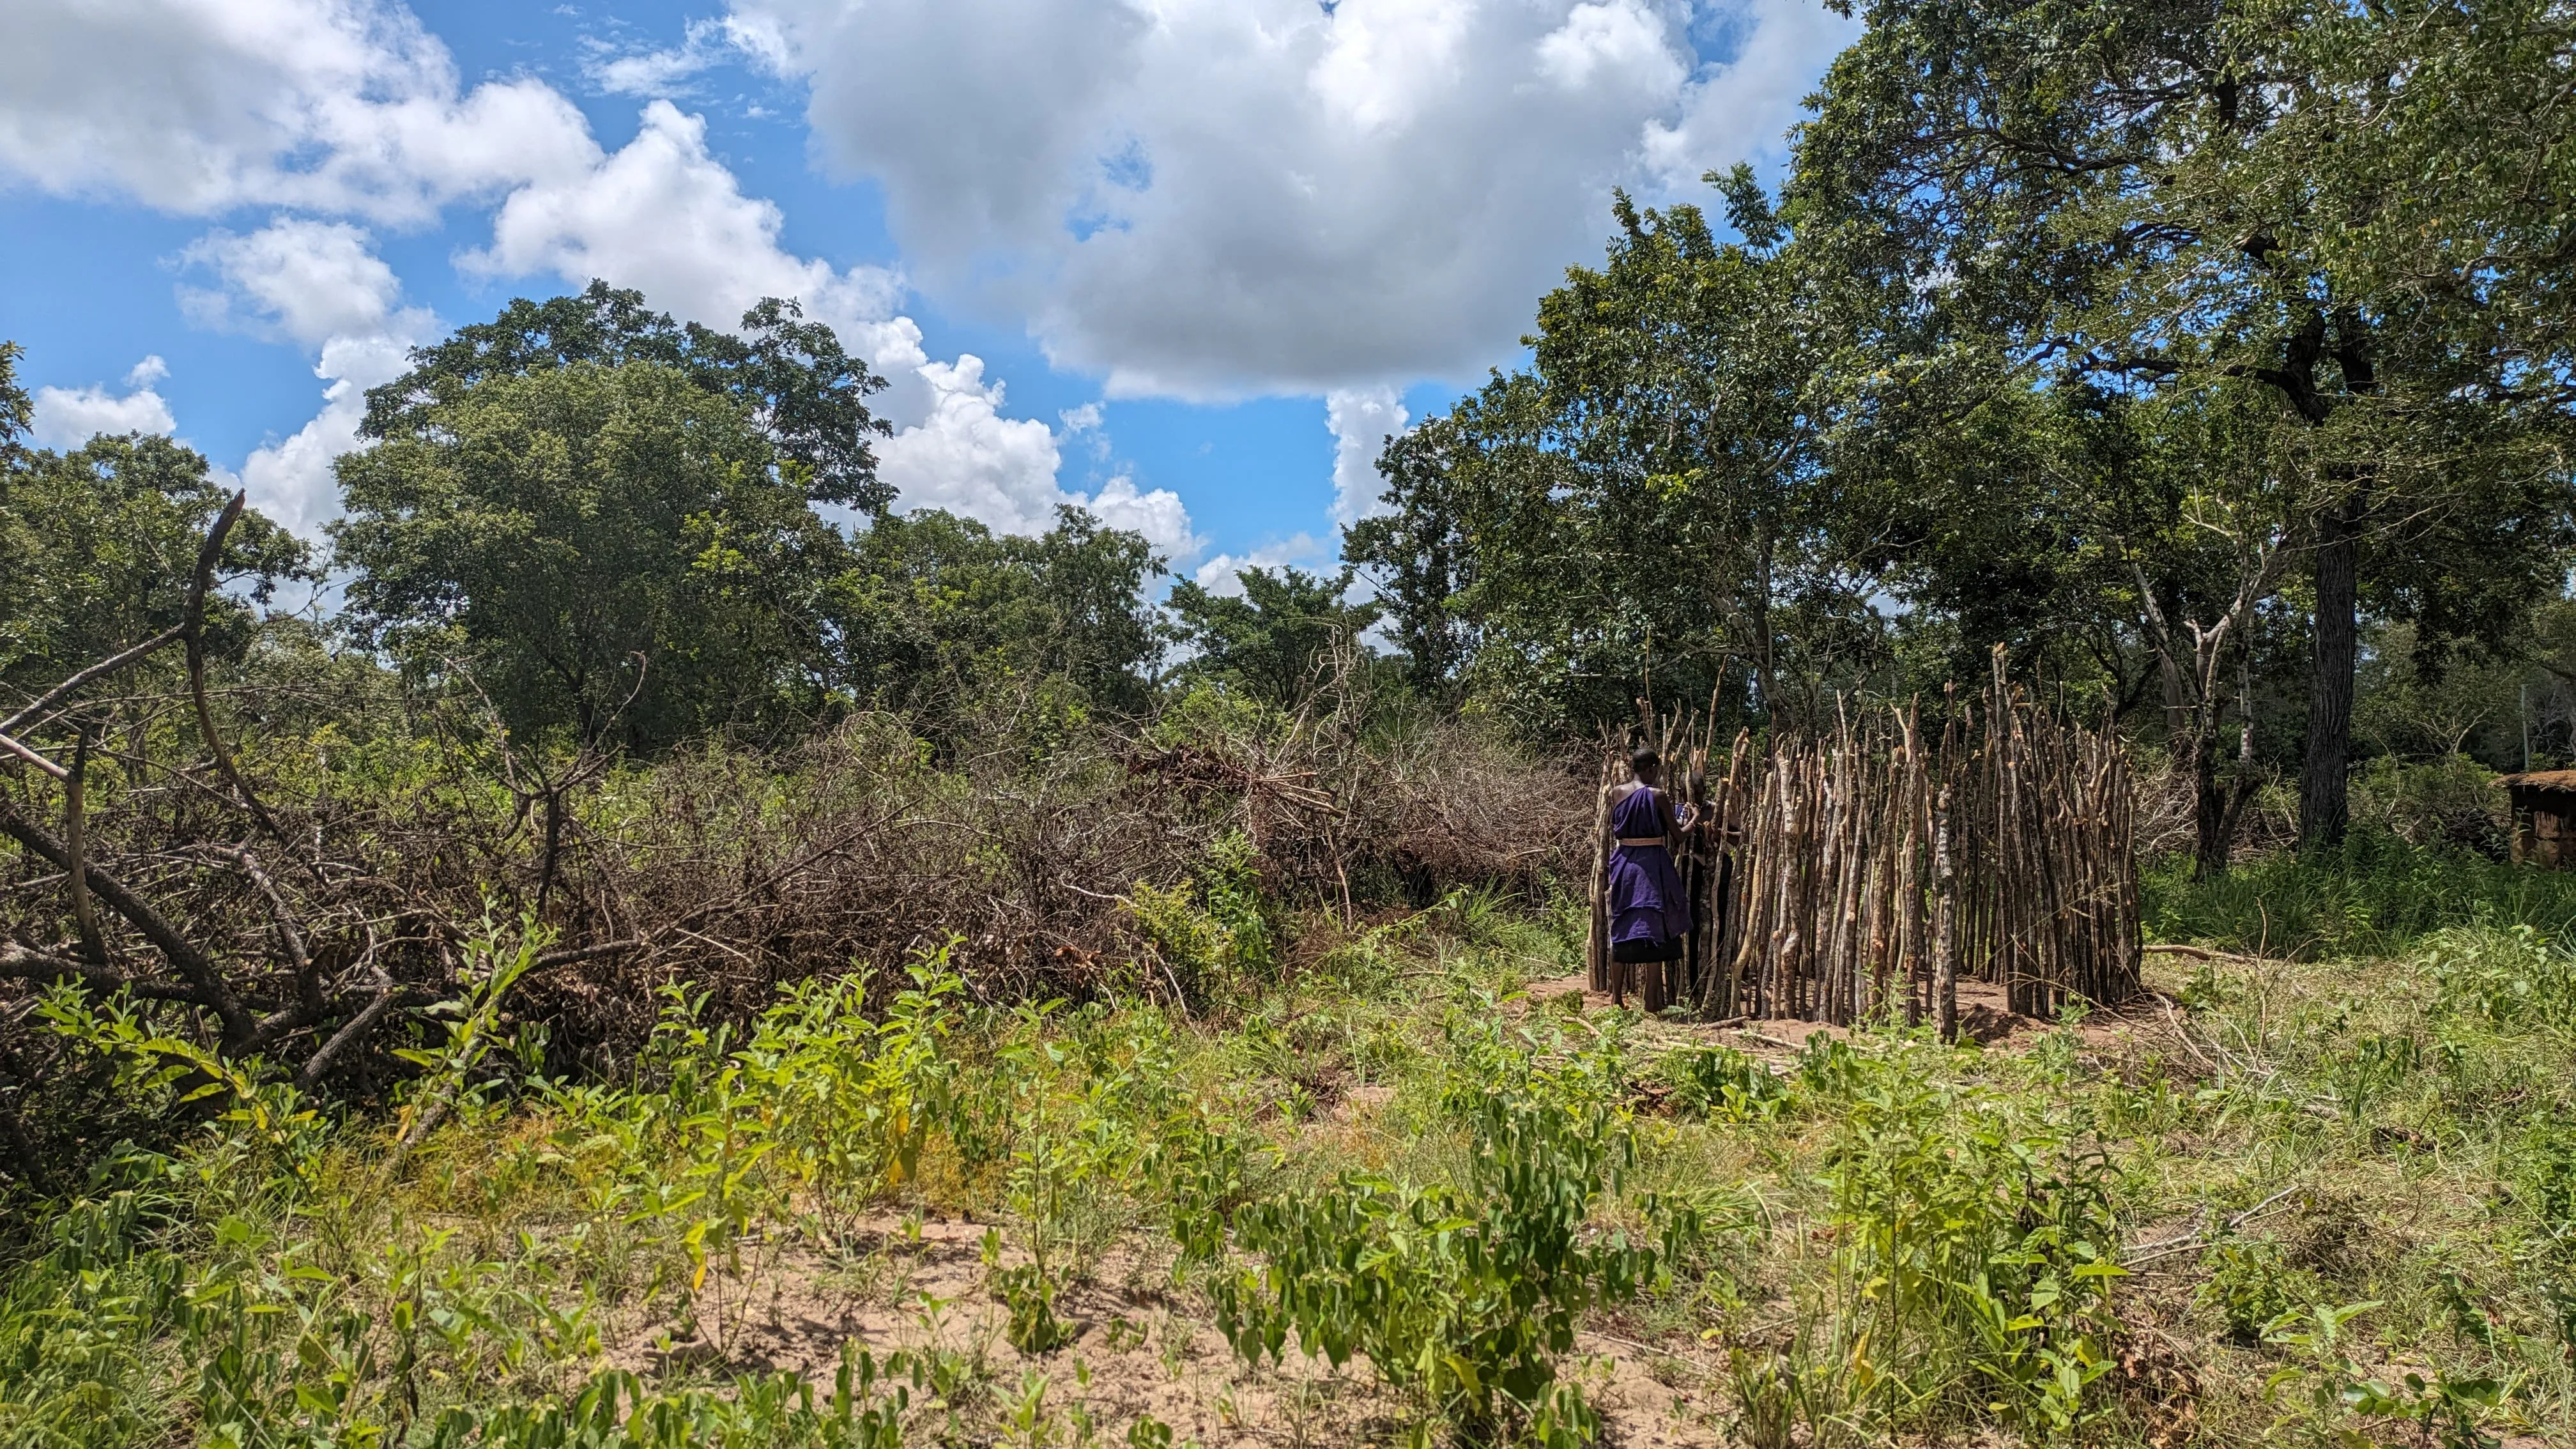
(1642, 761)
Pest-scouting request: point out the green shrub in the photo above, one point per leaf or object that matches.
(2506, 977)
(1213, 931)
(2374, 895)
(2251, 1288)
(1466, 1295)
(1722, 1083)
(1974, 1256)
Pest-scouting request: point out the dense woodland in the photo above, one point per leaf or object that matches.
(632, 938)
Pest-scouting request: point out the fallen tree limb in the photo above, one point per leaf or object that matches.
(2170, 1246)
(2203, 953)
(182, 954)
(76, 841)
(568, 955)
(387, 996)
(28, 754)
(307, 988)
(25, 963)
(194, 635)
(101, 669)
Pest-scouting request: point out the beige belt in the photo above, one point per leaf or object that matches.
(1650, 840)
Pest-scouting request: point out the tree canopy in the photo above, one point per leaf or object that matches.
(1272, 640)
(2310, 199)
(605, 548)
(791, 377)
(937, 611)
(2173, 347)
(102, 542)
(1647, 509)
(607, 525)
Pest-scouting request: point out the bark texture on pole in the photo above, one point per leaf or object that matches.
(1945, 917)
(2324, 811)
(1864, 872)
(1596, 943)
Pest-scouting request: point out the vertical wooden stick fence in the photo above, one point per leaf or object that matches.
(1859, 874)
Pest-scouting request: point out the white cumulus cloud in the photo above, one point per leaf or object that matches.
(1362, 419)
(321, 286)
(704, 44)
(303, 280)
(1223, 574)
(342, 106)
(966, 457)
(668, 218)
(1786, 44)
(292, 479)
(664, 216)
(1157, 514)
(1211, 198)
(69, 417)
(334, 113)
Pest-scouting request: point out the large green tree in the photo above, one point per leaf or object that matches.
(1273, 640)
(100, 544)
(1646, 509)
(2351, 207)
(938, 613)
(612, 550)
(790, 376)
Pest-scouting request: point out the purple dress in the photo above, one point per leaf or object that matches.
(1647, 903)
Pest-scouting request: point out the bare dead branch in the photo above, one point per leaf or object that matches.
(28, 754)
(60, 692)
(182, 954)
(199, 584)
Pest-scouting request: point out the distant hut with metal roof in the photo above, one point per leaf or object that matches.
(2544, 817)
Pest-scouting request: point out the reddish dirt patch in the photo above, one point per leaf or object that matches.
(1141, 1347)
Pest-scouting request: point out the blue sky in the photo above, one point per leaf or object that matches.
(1184, 262)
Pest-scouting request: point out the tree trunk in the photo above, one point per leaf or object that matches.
(2215, 807)
(2324, 811)
(1765, 676)
(1945, 925)
(2177, 703)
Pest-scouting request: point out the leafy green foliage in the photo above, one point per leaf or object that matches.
(606, 524)
(2373, 894)
(1273, 640)
(17, 411)
(268, 1119)
(1215, 933)
(1889, 1238)
(863, 1410)
(469, 1026)
(1723, 1084)
(1976, 1254)
(1463, 1295)
(102, 542)
(938, 615)
(2251, 1289)
(608, 551)
(789, 375)
(2443, 1411)
(1539, 533)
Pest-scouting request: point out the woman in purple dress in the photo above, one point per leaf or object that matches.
(1649, 912)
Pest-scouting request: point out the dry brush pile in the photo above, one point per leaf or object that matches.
(295, 884)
